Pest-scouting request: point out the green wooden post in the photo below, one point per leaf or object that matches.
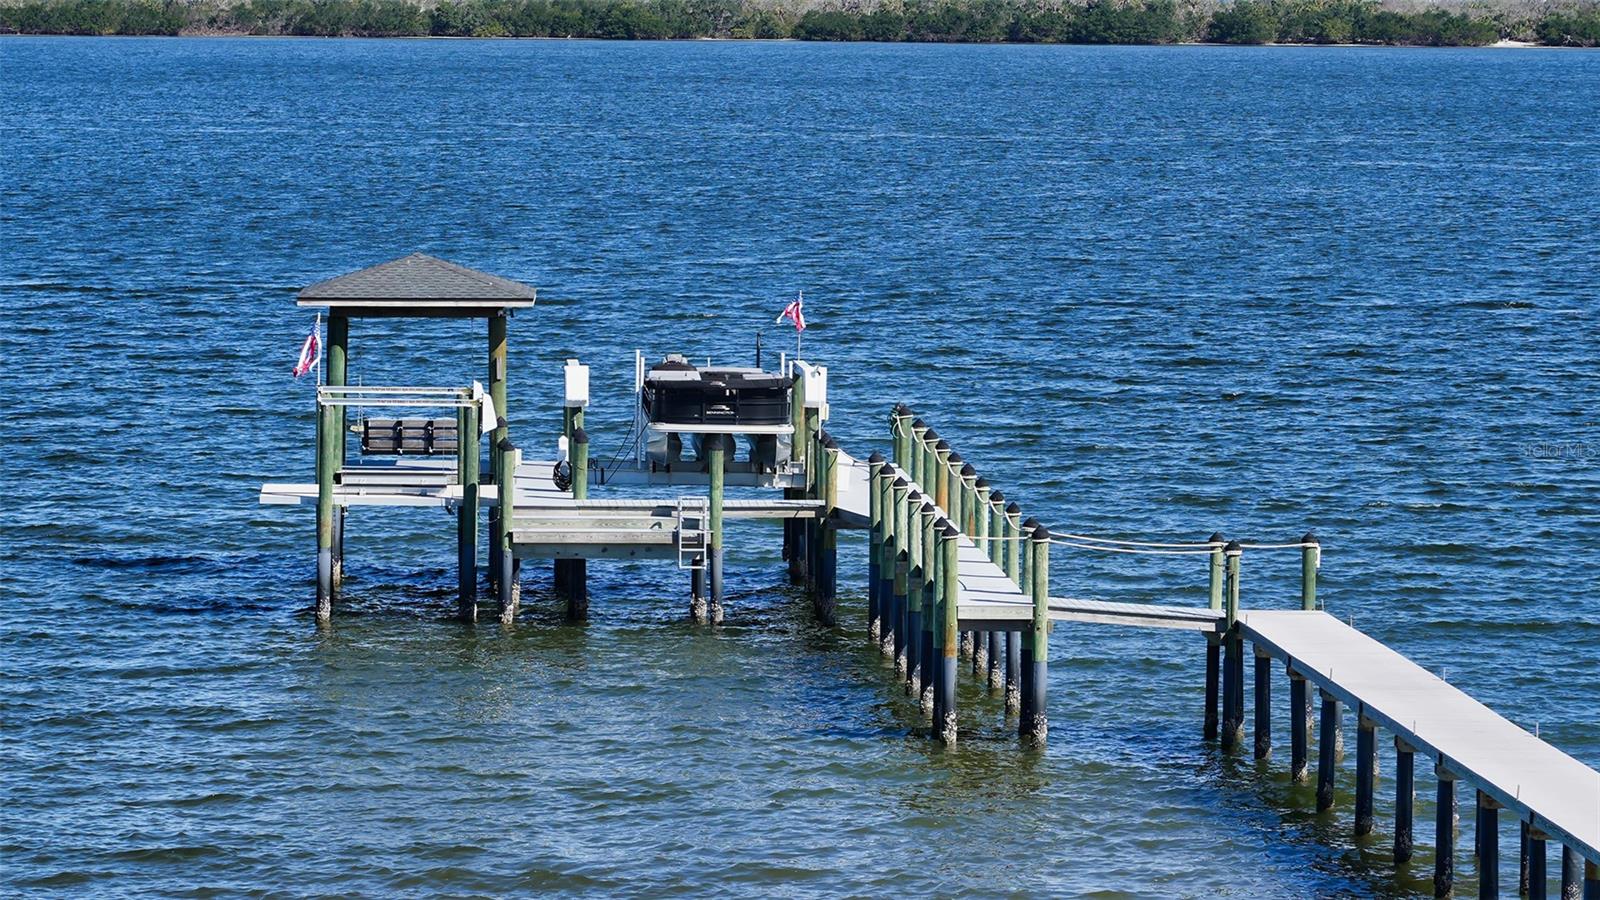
(828, 576)
(1232, 654)
(1013, 569)
(1039, 728)
(891, 612)
(467, 511)
(1214, 640)
(927, 655)
(917, 454)
(968, 499)
(716, 462)
(507, 582)
(327, 450)
(577, 574)
(900, 430)
(894, 618)
(994, 515)
(795, 529)
(960, 488)
(497, 394)
(877, 537)
(908, 641)
(950, 600)
(978, 515)
(1025, 667)
(1310, 562)
(338, 376)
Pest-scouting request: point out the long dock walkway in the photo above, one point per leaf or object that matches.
(1545, 787)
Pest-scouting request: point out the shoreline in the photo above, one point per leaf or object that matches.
(210, 35)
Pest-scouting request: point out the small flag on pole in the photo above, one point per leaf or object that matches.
(311, 350)
(795, 312)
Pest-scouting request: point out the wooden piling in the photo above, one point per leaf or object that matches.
(1299, 727)
(902, 501)
(1013, 569)
(927, 658)
(1263, 703)
(1039, 658)
(1522, 857)
(1025, 662)
(1591, 880)
(326, 453)
(827, 595)
(978, 516)
(577, 572)
(1405, 795)
(1366, 771)
(877, 488)
(945, 720)
(1310, 561)
(892, 612)
(467, 511)
(1538, 866)
(1214, 641)
(1571, 874)
(508, 593)
(997, 544)
(917, 453)
(1444, 833)
(910, 643)
(1488, 847)
(1232, 655)
(1331, 711)
(338, 376)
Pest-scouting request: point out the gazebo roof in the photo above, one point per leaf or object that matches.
(418, 285)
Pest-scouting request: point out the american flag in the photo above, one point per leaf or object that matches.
(310, 351)
(795, 312)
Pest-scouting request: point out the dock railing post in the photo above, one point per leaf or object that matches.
(894, 618)
(877, 537)
(908, 641)
(927, 653)
(1214, 640)
(497, 395)
(1232, 655)
(1538, 864)
(996, 512)
(1013, 569)
(1405, 799)
(895, 542)
(327, 449)
(941, 475)
(577, 570)
(467, 512)
(1025, 654)
(1310, 562)
(951, 602)
(933, 665)
(1444, 833)
(1039, 659)
(979, 517)
(828, 558)
(900, 433)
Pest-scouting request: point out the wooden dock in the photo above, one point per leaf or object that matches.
(955, 571)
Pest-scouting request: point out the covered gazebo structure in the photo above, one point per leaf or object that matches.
(419, 287)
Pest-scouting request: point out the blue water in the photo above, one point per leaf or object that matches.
(1147, 291)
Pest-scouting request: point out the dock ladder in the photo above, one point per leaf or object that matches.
(692, 513)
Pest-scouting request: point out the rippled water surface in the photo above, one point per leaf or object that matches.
(1150, 292)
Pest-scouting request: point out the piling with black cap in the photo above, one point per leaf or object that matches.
(906, 532)
(977, 508)
(910, 642)
(1025, 668)
(896, 489)
(1310, 562)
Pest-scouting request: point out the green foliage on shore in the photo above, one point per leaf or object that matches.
(967, 21)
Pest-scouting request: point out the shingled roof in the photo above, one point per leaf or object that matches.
(418, 285)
